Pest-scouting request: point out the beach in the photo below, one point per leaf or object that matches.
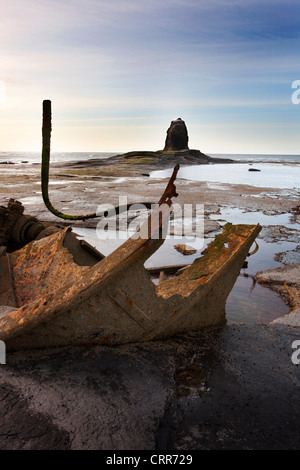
(231, 387)
(150, 228)
(81, 186)
(229, 193)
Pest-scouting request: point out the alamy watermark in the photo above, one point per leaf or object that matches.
(2, 352)
(296, 354)
(296, 94)
(2, 92)
(162, 222)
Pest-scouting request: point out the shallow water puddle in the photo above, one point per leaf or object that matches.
(248, 300)
(270, 175)
(251, 302)
(239, 216)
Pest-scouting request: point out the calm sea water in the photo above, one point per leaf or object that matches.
(35, 157)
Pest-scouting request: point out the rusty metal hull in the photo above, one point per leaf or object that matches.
(114, 302)
(53, 293)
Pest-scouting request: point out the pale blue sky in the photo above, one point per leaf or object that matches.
(117, 72)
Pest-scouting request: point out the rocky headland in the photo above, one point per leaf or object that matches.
(175, 151)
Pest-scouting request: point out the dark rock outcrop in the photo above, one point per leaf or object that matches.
(176, 150)
(177, 136)
(234, 388)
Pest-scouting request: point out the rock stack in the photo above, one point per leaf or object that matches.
(177, 136)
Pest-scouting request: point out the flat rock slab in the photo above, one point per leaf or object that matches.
(289, 257)
(275, 233)
(286, 281)
(292, 318)
(289, 273)
(233, 387)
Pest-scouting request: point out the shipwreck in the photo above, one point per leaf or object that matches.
(57, 290)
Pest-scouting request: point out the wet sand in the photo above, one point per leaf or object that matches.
(80, 187)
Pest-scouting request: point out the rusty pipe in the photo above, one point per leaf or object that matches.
(46, 138)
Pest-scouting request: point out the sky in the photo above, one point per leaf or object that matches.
(119, 71)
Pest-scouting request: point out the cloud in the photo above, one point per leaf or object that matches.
(124, 60)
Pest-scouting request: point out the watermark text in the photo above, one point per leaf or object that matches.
(162, 222)
(296, 354)
(296, 93)
(2, 352)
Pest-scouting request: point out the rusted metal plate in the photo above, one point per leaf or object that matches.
(7, 295)
(63, 302)
(170, 190)
(42, 267)
(218, 253)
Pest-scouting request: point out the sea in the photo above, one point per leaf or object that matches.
(35, 157)
(260, 170)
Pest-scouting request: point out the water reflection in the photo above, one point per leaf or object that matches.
(238, 216)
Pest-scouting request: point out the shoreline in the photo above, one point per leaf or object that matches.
(81, 186)
(74, 186)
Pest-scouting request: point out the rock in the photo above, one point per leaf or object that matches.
(286, 281)
(253, 169)
(177, 136)
(93, 398)
(291, 319)
(211, 225)
(289, 274)
(275, 233)
(176, 150)
(289, 257)
(185, 249)
(195, 229)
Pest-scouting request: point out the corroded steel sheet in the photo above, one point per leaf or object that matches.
(61, 301)
(42, 267)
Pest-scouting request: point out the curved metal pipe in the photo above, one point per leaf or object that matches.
(255, 250)
(46, 135)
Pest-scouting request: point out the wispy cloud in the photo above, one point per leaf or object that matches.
(141, 60)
